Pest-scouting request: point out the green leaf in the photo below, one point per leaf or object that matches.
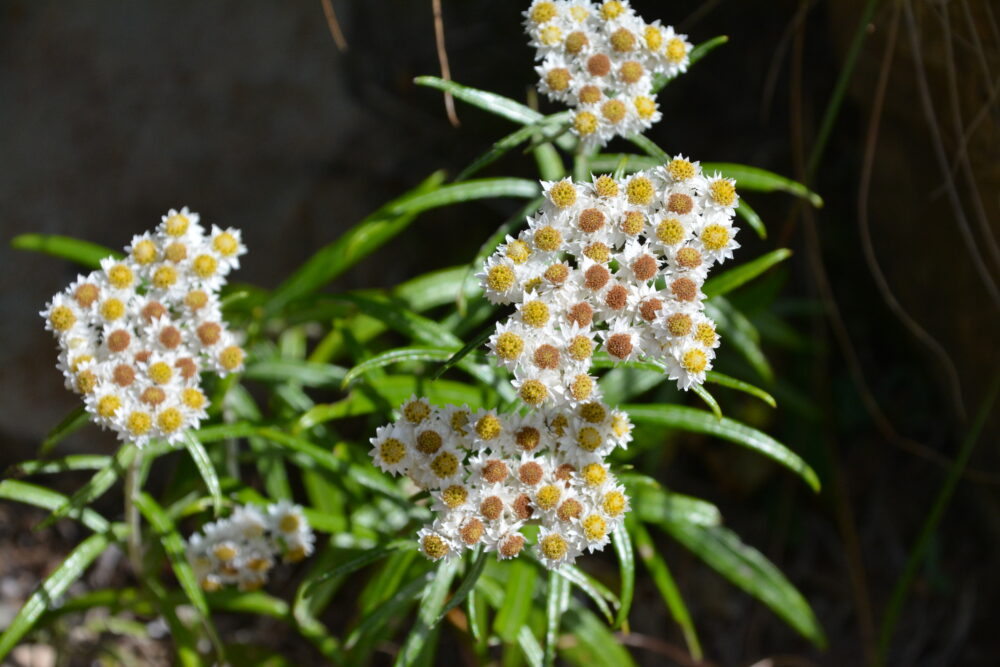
(731, 279)
(398, 356)
(699, 421)
(485, 188)
(594, 645)
(207, 471)
(749, 215)
(649, 147)
(39, 496)
(652, 503)
(70, 424)
(355, 564)
(173, 545)
(556, 602)
(529, 646)
(761, 180)
(431, 603)
(71, 462)
(435, 288)
(464, 588)
(353, 246)
(368, 631)
(666, 585)
(550, 126)
(101, 481)
(496, 104)
(709, 400)
(516, 604)
(51, 590)
(739, 385)
(455, 357)
(594, 589)
(82, 252)
(748, 569)
(697, 53)
(741, 334)
(626, 564)
(306, 373)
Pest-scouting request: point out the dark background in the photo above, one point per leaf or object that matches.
(112, 112)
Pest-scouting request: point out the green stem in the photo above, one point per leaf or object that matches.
(132, 515)
(916, 557)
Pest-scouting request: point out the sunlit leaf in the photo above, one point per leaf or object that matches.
(699, 421)
(85, 253)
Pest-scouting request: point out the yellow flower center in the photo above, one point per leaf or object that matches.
(500, 278)
(231, 357)
(558, 78)
(680, 170)
(434, 547)
(226, 244)
(164, 276)
(139, 423)
(392, 451)
(694, 361)
(594, 474)
(518, 252)
(589, 438)
(108, 406)
(548, 496)
(639, 191)
(177, 224)
(593, 413)
(534, 392)
(144, 252)
(613, 503)
(62, 318)
(676, 50)
(585, 123)
(605, 186)
(193, 398)
(489, 427)
(548, 238)
(543, 12)
(112, 309)
(563, 194)
(204, 266)
(535, 313)
(645, 107)
(553, 546)
(170, 420)
(444, 465)
(715, 237)
(670, 231)
(454, 496)
(120, 276)
(595, 528)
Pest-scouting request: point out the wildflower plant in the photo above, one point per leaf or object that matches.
(505, 417)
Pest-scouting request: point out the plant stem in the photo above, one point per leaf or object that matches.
(916, 556)
(132, 515)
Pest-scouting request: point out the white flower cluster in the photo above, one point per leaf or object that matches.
(135, 335)
(619, 262)
(601, 60)
(242, 549)
(491, 474)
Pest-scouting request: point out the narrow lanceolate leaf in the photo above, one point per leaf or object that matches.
(709, 400)
(398, 356)
(762, 180)
(750, 216)
(51, 590)
(72, 462)
(732, 278)
(173, 545)
(431, 604)
(39, 496)
(356, 244)
(649, 147)
(368, 557)
(529, 646)
(485, 188)
(464, 588)
(666, 585)
(542, 129)
(516, 604)
(206, 470)
(73, 422)
(456, 357)
(699, 421)
(306, 373)
(626, 564)
(652, 503)
(102, 480)
(558, 594)
(739, 385)
(84, 253)
(748, 569)
(697, 53)
(595, 590)
(594, 645)
(496, 104)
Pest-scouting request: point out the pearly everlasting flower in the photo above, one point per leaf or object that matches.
(601, 59)
(242, 549)
(135, 334)
(613, 266)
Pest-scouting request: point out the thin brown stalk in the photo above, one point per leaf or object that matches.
(442, 53)
(864, 226)
(334, 25)
(937, 143)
